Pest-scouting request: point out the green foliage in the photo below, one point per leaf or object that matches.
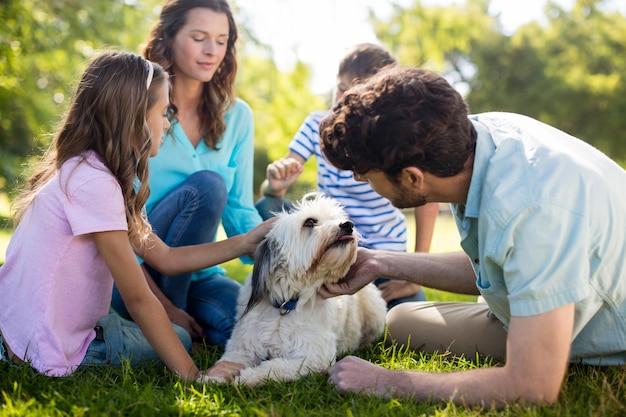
(568, 73)
(43, 46)
(281, 101)
(437, 37)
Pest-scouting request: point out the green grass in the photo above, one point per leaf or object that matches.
(153, 391)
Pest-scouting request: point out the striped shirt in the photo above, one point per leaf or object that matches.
(381, 225)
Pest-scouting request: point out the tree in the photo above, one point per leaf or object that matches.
(567, 73)
(44, 46)
(280, 101)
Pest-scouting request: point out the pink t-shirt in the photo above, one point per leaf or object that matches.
(55, 284)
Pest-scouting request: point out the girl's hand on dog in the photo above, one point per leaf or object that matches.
(256, 235)
(221, 372)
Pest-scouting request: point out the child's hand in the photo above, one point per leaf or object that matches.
(256, 235)
(221, 372)
(395, 289)
(282, 173)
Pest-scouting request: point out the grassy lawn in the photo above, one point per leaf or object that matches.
(154, 391)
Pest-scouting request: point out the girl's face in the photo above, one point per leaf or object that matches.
(157, 119)
(200, 44)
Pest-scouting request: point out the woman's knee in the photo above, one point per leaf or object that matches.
(204, 181)
(209, 192)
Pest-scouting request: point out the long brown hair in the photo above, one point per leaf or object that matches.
(107, 115)
(218, 94)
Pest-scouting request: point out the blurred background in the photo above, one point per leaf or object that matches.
(562, 62)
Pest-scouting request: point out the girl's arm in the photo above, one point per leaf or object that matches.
(175, 314)
(174, 261)
(142, 304)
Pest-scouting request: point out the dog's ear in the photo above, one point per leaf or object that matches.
(263, 260)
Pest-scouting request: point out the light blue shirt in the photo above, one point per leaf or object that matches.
(545, 225)
(177, 159)
(381, 225)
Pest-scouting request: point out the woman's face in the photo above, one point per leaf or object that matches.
(157, 119)
(200, 44)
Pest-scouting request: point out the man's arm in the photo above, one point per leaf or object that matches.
(538, 350)
(450, 272)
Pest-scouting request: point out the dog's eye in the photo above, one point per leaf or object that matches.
(310, 222)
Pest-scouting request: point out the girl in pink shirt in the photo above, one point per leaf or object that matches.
(79, 224)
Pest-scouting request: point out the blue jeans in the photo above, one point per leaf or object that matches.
(267, 205)
(4, 355)
(418, 296)
(190, 215)
(118, 340)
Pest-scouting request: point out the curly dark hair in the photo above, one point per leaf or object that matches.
(399, 117)
(218, 95)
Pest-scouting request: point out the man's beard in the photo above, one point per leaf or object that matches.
(404, 199)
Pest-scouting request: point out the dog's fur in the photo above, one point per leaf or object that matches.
(312, 245)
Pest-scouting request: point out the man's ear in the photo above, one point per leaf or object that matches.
(413, 177)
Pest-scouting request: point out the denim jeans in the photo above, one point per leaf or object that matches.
(267, 205)
(189, 215)
(119, 340)
(4, 355)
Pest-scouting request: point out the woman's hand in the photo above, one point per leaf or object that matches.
(184, 320)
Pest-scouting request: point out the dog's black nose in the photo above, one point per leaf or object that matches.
(347, 227)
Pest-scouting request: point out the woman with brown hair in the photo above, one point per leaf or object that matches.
(204, 172)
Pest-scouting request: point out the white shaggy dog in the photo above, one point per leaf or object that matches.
(286, 330)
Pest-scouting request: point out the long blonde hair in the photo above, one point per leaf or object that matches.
(107, 115)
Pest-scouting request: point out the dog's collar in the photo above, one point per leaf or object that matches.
(286, 306)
